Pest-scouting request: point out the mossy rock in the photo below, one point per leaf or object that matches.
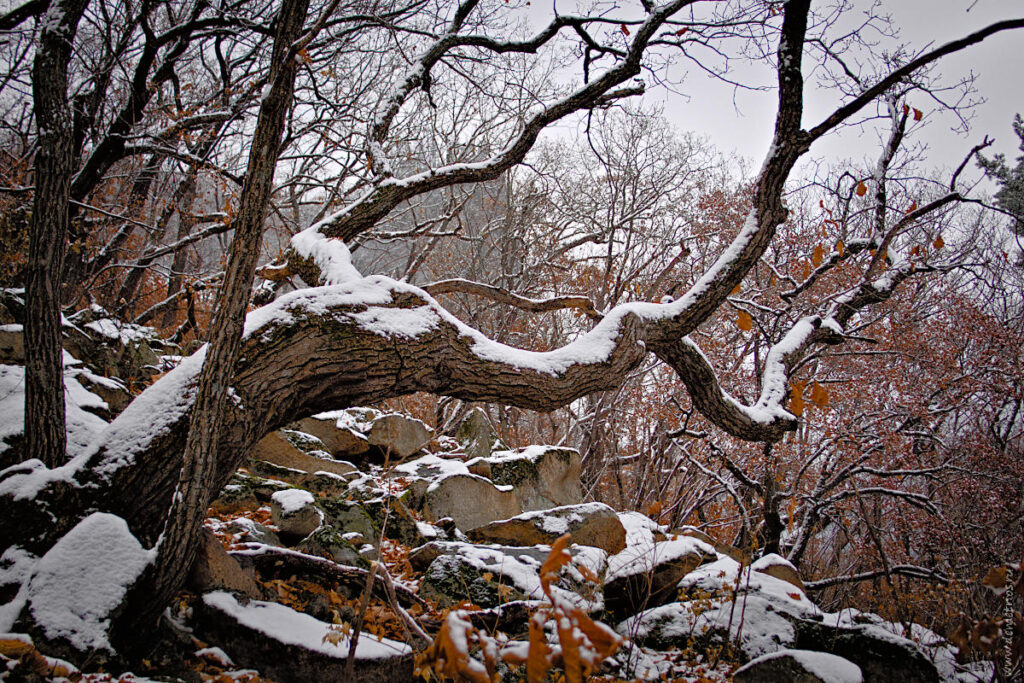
(401, 525)
(347, 516)
(450, 579)
(328, 541)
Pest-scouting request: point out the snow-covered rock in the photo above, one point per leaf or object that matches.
(799, 666)
(645, 575)
(295, 513)
(470, 500)
(83, 578)
(542, 476)
(287, 645)
(593, 524)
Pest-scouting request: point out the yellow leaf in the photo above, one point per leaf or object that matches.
(862, 189)
(744, 321)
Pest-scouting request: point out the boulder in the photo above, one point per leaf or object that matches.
(340, 441)
(287, 645)
(246, 492)
(799, 666)
(593, 524)
(279, 448)
(328, 541)
(476, 436)
(400, 435)
(12, 344)
(349, 517)
(721, 548)
(542, 476)
(214, 569)
(780, 568)
(321, 483)
(645, 576)
(750, 623)
(881, 655)
(295, 513)
(470, 500)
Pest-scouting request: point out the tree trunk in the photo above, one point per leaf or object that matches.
(197, 479)
(45, 434)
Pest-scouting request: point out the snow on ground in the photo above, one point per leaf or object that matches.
(82, 426)
(83, 577)
(296, 628)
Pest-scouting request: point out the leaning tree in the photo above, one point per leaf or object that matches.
(348, 340)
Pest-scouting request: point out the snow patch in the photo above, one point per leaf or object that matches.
(84, 577)
(295, 628)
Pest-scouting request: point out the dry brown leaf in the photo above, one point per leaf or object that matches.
(796, 398)
(744, 321)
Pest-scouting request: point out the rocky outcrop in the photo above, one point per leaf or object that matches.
(399, 435)
(471, 500)
(644, 576)
(593, 524)
(279, 448)
(476, 436)
(339, 439)
(542, 476)
(778, 567)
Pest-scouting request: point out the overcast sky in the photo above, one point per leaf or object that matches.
(741, 121)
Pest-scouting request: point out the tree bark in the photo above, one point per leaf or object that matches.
(196, 486)
(45, 431)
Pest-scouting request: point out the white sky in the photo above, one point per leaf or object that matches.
(741, 121)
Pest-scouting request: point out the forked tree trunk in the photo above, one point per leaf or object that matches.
(45, 435)
(197, 479)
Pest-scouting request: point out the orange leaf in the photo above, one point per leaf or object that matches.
(906, 109)
(862, 189)
(735, 290)
(796, 398)
(805, 270)
(570, 651)
(538, 660)
(682, 31)
(840, 247)
(819, 396)
(744, 321)
(913, 208)
(818, 254)
(939, 243)
(557, 558)
(917, 114)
